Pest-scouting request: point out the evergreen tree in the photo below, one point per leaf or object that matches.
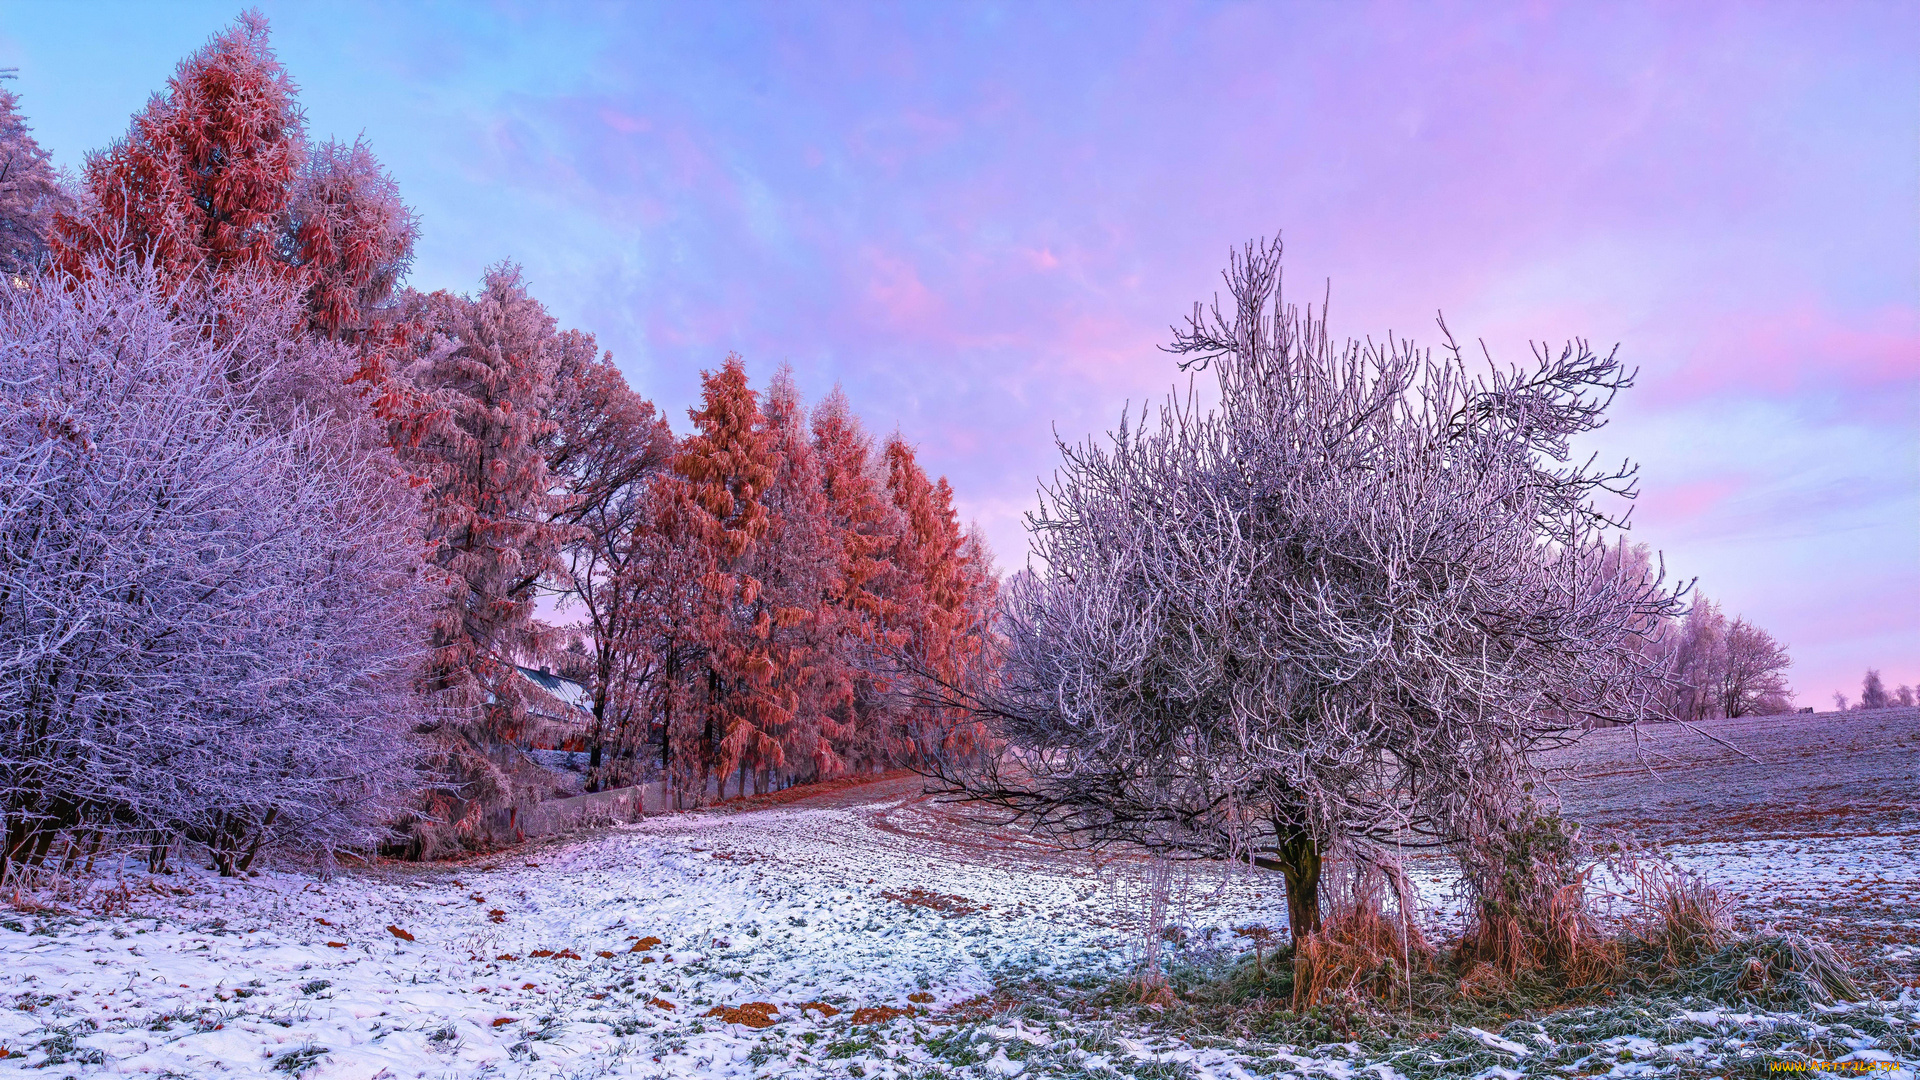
(868, 585)
(723, 471)
(201, 181)
(483, 392)
(349, 234)
(30, 193)
(949, 589)
(797, 564)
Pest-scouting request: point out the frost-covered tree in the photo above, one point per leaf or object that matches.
(349, 234)
(201, 181)
(608, 448)
(1715, 667)
(216, 175)
(943, 606)
(1334, 611)
(1698, 644)
(797, 565)
(477, 411)
(210, 595)
(1753, 673)
(30, 191)
(868, 584)
(717, 495)
(1873, 691)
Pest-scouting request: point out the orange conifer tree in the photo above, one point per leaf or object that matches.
(201, 181)
(724, 468)
(472, 429)
(949, 591)
(797, 564)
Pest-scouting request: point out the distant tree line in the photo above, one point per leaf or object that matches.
(1875, 695)
(273, 525)
(1714, 667)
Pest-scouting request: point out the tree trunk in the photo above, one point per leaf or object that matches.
(259, 837)
(1299, 864)
(40, 846)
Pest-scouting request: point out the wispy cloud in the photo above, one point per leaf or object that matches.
(981, 219)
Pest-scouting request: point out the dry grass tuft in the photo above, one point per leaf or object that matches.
(1775, 969)
(1151, 990)
(1684, 917)
(1546, 931)
(1360, 953)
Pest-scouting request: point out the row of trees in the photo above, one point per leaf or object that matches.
(1717, 667)
(1725, 668)
(748, 604)
(275, 526)
(1874, 694)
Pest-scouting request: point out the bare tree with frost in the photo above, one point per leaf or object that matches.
(1335, 611)
(209, 590)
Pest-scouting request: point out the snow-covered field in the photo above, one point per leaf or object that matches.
(606, 956)
(285, 974)
(1809, 822)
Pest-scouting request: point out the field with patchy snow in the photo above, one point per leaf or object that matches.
(663, 949)
(1810, 822)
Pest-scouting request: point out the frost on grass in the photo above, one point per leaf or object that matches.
(797, 964)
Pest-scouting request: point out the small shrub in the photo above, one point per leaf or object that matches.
(1528, 872)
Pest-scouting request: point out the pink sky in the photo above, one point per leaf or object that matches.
(981, 219)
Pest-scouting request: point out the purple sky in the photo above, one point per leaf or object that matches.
(981, 219)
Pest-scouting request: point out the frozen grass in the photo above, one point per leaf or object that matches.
(995, 957)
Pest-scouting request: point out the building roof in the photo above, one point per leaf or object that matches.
(561, 689)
